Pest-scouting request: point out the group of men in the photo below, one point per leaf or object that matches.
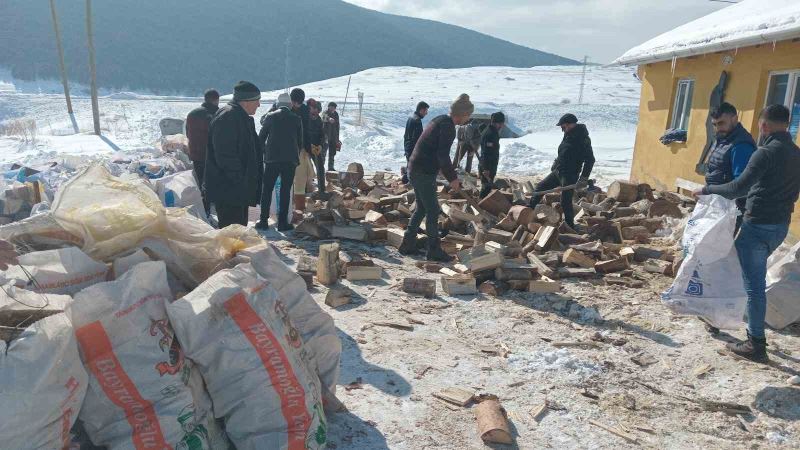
(238, 168)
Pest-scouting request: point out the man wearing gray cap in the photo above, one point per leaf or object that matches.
(572, 166)
(234, 157)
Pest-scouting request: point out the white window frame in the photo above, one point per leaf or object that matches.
(678, 117)
(791, 89)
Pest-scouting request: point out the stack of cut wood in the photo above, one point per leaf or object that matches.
(500, 243)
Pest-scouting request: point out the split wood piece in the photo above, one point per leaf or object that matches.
(623, 191)
(493, 288)
(328, 264)
(495, 203)
(624, 211)
(376, 218)
(493, 422)
(642, 206)
(391, 200)
(519, 285)
(306, 264)
(448, 272)
(642, 253)
(459, 285)
(354, 214)
(420, 286)
(395, 325)
(312, 228)
(545, 238)
(571, 240)
(394, 237)
(497, 235)
(664, 208)
(338, 295)
(628, 253)
(539, 413)
(606, 232)
(579, 259)
(547, 215)
(404, 210)
(489, 261)
(338, 217)
(507, 274)
(352, 232)
(616, 431)
(362, 273)
(566, 272)
(519, 234)
(614, 265)
(455, 395)
(543, 269)
(658, 266)
(637, 233)
(366, 185)
(544, 286)
(595, 249)
(522, 215)
(507, 224)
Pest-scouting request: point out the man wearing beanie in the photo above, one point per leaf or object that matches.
(489, 156)
(282, 134)
(197, 123)
(573, 165)
(234, 157)
(430, 156)
(330, 120)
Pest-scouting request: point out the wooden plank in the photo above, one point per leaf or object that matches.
(614, 265)
(360, 273)
(352, 232)
(459, 285)
(420, 286)
(490, 261)
(579, 259)
(544, 286)
(543, 269)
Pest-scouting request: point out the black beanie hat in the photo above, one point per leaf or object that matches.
(298, 95)
(567, 118)
(498, 117)
(245, 91)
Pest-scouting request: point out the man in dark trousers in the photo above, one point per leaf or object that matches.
(316, 135)
(469, 140)
(413, 132)
(430, 156)
(771, 183)
(234, 157)
(330, 121)
(730, 152)
(197, 123)
(282, 134)
(572, 166)
(489, 155)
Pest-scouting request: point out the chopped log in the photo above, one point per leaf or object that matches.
(338, 295)
(642, 206)
(663, 207)
(642, 253)
(628, 253)
(543, 269)
(360, 273)
(356, 167)
(624, 191)
(495, 247)
(459, 285)
(572, 239)
(448, 272)
(614, 265)
(391, 200)
(394, 237)
(676, 265)
(306, 264)
(606, 232)
(544, 286)
(547, 215)
(328, 264)
(635, 233)
(646, 192)
(658, 266)
(579, 259)
(310, 227)
(624, 211)
(404, 210)
(352, 232)
(500, 236)
(495, 203)
(376, 218)
(545, 238)
(518, 234)
(594, 249)
(494, 288)
(653, 224)
(490, 261)
(366, 185)
(507, 274)
(566, 272)
(507, 224)
(420, 286)
(493, 422)
(633, 221)
(522, 215)
(352, 214)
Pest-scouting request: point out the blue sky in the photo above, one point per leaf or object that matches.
(601, 29)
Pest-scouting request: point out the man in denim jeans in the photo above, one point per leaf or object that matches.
(771, 183)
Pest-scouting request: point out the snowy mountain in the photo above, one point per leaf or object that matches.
(185, 46)
(533, 99)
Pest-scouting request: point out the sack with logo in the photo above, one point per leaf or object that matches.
(62, 271)
(709, 283)
(42, 385)
(258, 373)
(180, 191)
(139, 395)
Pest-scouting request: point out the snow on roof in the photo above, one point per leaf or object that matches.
(749, 22)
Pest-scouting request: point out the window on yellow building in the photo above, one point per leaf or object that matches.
(682, 105)
(784, 89)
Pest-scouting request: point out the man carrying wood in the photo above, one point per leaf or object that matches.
(489, 156)
(469, 139)
(572, 166)
(771, 183)
(431, 155)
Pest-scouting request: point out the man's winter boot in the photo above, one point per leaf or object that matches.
(409, 245)
(284, 225)
(754, 349)
(435, 253)
(262, 224)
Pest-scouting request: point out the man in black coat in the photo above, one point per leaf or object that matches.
(316, 135)
(282, 134)
(234, 157)
(573, 165)
(197, 123)
(331, 125)
(489, 156)
(413, 132)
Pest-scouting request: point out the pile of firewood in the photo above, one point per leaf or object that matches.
(499, 242)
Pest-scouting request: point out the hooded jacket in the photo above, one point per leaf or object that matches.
(234, 158)
(575, 155)
(432, 151)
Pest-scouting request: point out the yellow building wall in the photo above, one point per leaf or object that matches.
(748, 77)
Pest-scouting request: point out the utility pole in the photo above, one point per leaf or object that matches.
(360, 106)
(583, 80)
(61, 56)
(92, 69)
(286, 64)
(346, 94)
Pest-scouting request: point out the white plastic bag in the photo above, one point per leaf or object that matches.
(709, 283)
(256, 369)
(138, 393)
(61, 271)
(180, 191)
(783, 290)
(42, 386)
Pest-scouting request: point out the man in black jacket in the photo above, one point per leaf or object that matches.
(771, 183)
(489, 155)
(330, 121)
(573, 165)
(282, 133)
(430, 156)
(197, 123)
(316, 136)
(234, 157)
(412, 134)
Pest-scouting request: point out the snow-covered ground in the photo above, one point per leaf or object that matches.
(533, 99)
